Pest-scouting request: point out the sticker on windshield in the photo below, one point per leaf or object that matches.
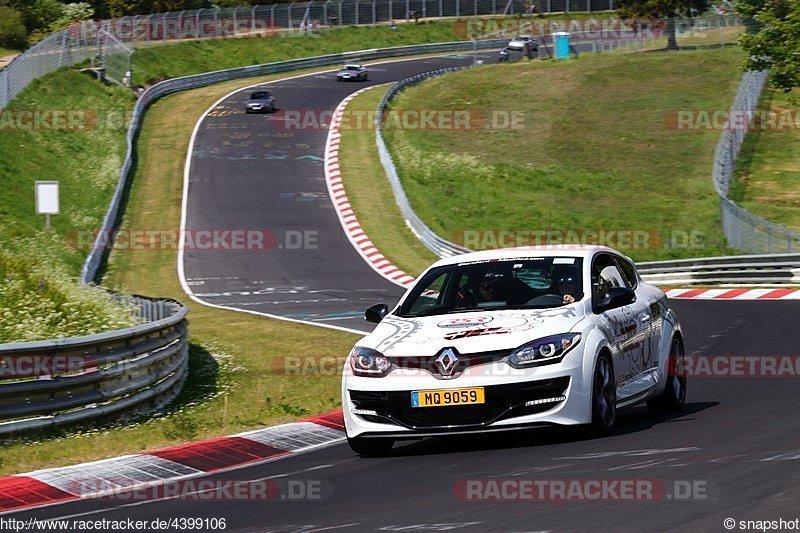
(563, 260)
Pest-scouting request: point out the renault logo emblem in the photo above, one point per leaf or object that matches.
(446, 362)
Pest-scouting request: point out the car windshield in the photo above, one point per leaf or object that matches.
(515, 283)
(261, 95)
(351, 67)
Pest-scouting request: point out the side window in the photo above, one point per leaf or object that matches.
(628, 271)
(605, 275)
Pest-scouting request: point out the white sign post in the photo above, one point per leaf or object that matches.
(47, 199)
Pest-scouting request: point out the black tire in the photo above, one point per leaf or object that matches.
(374, 447)
(674, 395)
(604, 395)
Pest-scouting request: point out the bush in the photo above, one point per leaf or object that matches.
(12, 28)
(39, 301)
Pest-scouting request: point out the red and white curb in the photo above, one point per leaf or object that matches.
(58, 485)
(347, 217)
(735, 294)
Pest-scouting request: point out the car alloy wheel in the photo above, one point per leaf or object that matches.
(674, 395)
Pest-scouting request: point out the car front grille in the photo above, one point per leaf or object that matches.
(502, 402)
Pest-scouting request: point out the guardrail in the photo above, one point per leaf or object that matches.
(773, 269)
(96, 255)
(439, 246)
(50, 383)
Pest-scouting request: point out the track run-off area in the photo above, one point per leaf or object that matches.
(737, 442)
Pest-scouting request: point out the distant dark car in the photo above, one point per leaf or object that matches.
(260, 102)
(352, 73)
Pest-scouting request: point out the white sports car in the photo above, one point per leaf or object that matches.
(518, 43)
(513, 338)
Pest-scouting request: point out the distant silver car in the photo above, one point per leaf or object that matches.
(260, 102)
(352, 72)
(518, 43)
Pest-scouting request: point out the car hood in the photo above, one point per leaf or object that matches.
(480, 331)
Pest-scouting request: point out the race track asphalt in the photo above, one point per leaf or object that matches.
(737, 441)
(264, 174)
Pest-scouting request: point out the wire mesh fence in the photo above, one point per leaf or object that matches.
(744, 230)
(85, 41)
(115, 59)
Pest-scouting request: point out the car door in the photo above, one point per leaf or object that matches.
(643, 346)
(618, 324)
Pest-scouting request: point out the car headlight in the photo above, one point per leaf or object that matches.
(369, 362)
(544, 351)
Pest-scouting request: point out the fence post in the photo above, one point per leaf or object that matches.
(374, 13)
(356, 9)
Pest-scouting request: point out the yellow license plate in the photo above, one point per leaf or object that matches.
(435, 398)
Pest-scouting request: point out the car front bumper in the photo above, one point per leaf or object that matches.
(557, 394)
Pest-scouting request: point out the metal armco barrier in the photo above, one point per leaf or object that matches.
(95, 257)
(51, 383)
(772, 269)
(439, 246)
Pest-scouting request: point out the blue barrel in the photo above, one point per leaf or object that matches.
(561, 40)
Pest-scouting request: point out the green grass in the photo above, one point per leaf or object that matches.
(768, 170)
(7, 51)
(236, 381)
(371, 195)
(180, 59)
(83, 151)
(152, 64)
(85, 159)
(595, 152)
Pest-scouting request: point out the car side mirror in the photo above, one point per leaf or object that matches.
(376, 313)
(617, 297)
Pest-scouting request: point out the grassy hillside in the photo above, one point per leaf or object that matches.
(595, 150)
(69, 128)
(180, 59)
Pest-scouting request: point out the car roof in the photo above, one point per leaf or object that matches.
(349, 65)
(553, 250)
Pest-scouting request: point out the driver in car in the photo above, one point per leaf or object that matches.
(567, 282)
(487, 290)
